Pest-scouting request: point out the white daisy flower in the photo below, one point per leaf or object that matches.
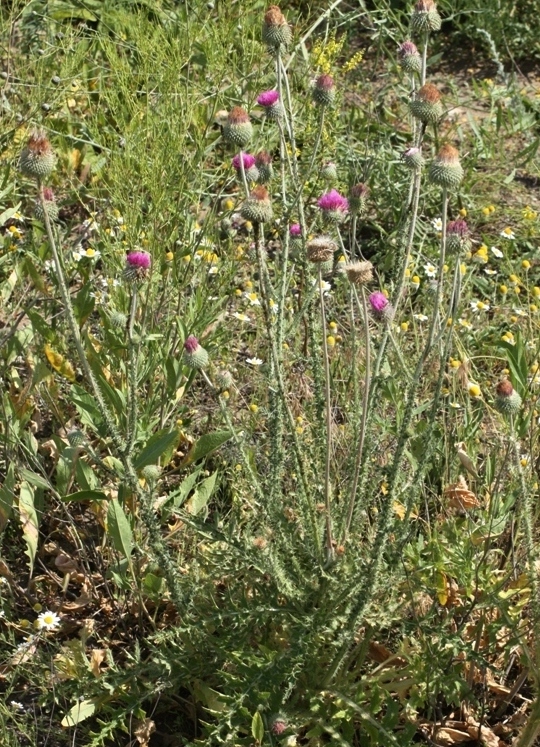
(48, 620)
(437, 224)
(430, 270)
(421, 317)
(490, 272)
(253, 299)
(479, 305)
(519, 312)
(254, 361)
(497, 252)
(507, 233)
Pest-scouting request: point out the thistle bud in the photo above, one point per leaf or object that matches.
(76, 437)
(321, 249)
(151, 472)
(250, 169)
(445, 170)
(224, 380)
(413, 159)
(118, 320)
(263, 162)
(276, 32)
(457, 237)
(358, 199)
(359, 273)
(278, 726)
(507, 400)
(195, 356)
(257, 207)
(324, 91)
(49, 206)
(238, 128)
(329, 171)
(425, 17)
(381, 307)
(295, 240)
(334, 206)
(409, 57)
(271, 103)
(137, 266)
(427, 105)
(37, 159)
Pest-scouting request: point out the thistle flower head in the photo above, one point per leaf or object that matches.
(324, 90)
(427, 106)
(406, 48)
(37, 159)
(276, 32)
(445, 169)
(257, 207)
(278, 726)
(425, 17)
(381, 307)
(507, 400)
(409, 57)
(458, 227)
(238, 128)
(49, 207)
(358, 197)
(413, 158)
(457, 233)
(137, 267)
(333, 205)
(263, 162)
(295, 229)
(268, 98)
(329, 171)
(195, 356)
(320, 249)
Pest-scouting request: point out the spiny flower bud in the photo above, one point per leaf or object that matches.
(250, 169)
(329, 171)
(272, 105)
(151, 472)
(425, 17)
(413, 158)
(118, 319)
(324, 91)
(359, 273)
(409, 57)
(238, 128)
(445, 170)
(76, 437)
(263, 161)
(457, 236)
(195, 356)
(381, 307)
(137, 266)
(37, 159)
(321, 249)
(295, 240)
(224, 380)
(276, 32)
(358, 198)
(507, 400)
(257, 207)
(334, 206)
(427, 105)
(49, 203)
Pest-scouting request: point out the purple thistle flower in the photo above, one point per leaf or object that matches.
(408, 47)
(378, 301)
(139, 260)
(247, 159)
(333, 201)
(268, 98)
(191, 344)
(458, 227)
(295, 229)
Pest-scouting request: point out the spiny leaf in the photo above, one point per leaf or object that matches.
(119, 528)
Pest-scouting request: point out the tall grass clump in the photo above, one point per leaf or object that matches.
(248, 484)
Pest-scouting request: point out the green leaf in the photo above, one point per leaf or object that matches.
(156, 446)
(201, 495)
(119, 528)
(178, 496)
(36, 480)
(6, 496)
(85, 495)
(9, 213)
(257, 727)
(80, 711)
(84, 303)
(205, 445)
(29, 521)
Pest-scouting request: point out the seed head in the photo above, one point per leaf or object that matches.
(359, 273)
(324, 91)
(37, 159)
(238, 128)
(321, 249)
(195, 356)
(257, 207)
(276, 32)
(445, 169)
(427, 105)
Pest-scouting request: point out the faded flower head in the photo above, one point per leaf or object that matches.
(37, 159)
(425, 17)
(195, 356)
(507, 400)
(445, 169)
(320, 249)
(257, 207)
(333, 205)
(427, 106)
(238, 128)
(324, 90)
(263, 162)
(276, 32)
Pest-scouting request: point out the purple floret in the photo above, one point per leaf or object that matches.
(458, 227)
(378, 301)
(247, 159)
(139, 259)
(333, 201)
(295, 229)
(191, 344)
(268, 98)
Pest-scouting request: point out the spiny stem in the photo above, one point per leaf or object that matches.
(328, 397)
(132, 375)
